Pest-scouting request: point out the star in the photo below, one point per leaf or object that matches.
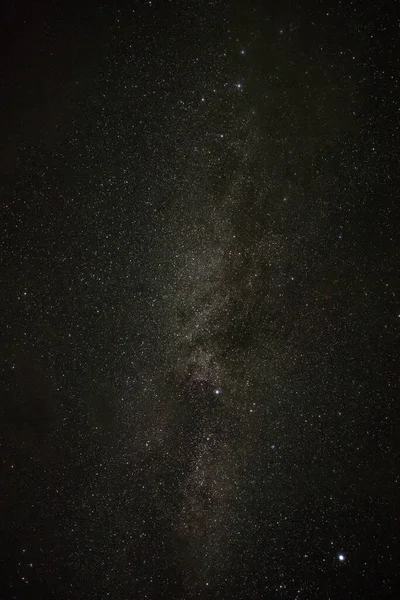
(341, 557)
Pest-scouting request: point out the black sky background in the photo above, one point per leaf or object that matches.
(200, 314)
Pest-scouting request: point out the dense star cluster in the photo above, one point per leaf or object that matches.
(199, 301)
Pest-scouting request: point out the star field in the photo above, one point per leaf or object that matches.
(200, 302)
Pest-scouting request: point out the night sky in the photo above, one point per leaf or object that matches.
(199, 315)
